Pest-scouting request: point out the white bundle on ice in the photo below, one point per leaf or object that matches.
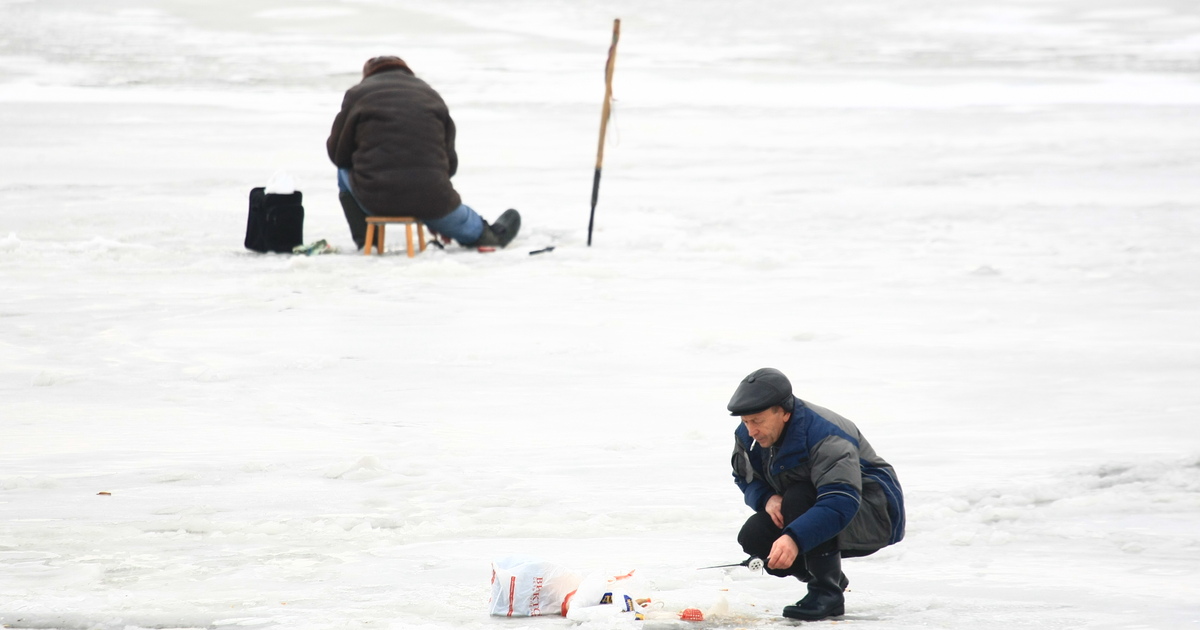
(603, 595)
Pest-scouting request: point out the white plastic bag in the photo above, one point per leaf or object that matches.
(280, 183)
(522, 587)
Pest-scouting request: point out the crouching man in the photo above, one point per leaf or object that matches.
(818, 490)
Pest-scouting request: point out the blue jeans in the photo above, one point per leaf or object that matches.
(462, 224)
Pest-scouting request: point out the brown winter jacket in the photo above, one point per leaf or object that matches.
(396, 137)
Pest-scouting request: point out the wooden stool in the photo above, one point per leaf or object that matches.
(380, 224)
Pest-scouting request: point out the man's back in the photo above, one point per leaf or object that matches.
(395, 135)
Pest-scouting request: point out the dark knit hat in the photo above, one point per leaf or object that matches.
(386, 62)
(762, 389)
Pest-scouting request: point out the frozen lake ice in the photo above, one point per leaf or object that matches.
(970, 228)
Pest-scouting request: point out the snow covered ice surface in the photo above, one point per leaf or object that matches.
(971, 227)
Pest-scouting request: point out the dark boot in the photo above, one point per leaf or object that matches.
(502, 232)
(355, 217)
(825, 588)
(843, 581)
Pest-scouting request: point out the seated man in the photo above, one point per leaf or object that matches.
(393, 145)
(818, 490)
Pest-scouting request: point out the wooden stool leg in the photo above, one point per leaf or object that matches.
(421, 235)
(408, 236)
(382, 229)
(370, 240)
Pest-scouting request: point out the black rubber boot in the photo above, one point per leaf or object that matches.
(355, 217)
(502, 232)
(825, 589)
(843, 582)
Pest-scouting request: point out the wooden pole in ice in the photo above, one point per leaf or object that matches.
(608, 75)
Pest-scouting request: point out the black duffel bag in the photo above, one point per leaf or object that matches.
(276, 222)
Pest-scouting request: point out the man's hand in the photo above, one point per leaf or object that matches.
(783, 553)
(774, 509)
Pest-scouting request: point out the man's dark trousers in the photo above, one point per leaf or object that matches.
(759, 532)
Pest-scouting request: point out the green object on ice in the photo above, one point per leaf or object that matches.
(315, 249)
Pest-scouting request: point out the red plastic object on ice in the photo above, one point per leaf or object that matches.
(691, 614)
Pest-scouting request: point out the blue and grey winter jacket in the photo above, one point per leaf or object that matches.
(859, 499)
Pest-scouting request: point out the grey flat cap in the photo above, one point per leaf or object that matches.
(762, 389)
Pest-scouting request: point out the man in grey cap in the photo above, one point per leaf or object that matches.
(818, 490)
